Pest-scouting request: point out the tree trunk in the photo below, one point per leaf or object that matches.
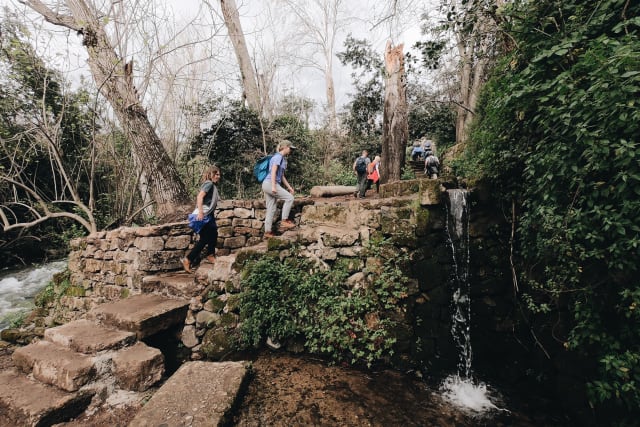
(331, 95)
(113, 78)
(475, 51)
(395, 117)
(247, 74)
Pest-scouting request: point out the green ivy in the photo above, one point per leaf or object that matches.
(557, 133)
(296, 299)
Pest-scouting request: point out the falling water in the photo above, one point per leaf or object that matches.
(460, 388)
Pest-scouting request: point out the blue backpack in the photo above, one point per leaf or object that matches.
(261, 168)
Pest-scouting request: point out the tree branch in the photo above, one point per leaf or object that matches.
(51, 16)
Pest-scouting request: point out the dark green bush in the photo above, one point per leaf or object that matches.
(557, 133)
(295, 299)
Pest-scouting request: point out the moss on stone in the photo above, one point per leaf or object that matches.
(216, 305)
(242, 257)
(278, 244)
(216, 343)
(75, 291)
(233, 303)
(422, 216)
(124, 293)
(228, 320)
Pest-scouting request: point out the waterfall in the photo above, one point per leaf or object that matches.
(458, 237)
(460, 388)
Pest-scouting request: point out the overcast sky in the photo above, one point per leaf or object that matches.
(66, 53)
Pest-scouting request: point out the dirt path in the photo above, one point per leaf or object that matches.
(288, 390)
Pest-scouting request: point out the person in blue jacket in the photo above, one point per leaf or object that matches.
(274, 186)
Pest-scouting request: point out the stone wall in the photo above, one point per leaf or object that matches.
(111, 265)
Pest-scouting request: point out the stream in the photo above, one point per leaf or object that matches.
(19, 287)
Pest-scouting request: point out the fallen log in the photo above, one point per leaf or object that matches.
(332, 190)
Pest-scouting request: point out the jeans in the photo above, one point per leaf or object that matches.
(272, 201)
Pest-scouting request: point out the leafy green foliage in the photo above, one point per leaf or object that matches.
(558, 133)
(235, 142)
(295, 299)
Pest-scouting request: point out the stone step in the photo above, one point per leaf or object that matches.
(89, 337)
(144, 314)
(138, 367)
(54, 364)
(24, 402)
(207, 392)
(218, 272)
(172, 284)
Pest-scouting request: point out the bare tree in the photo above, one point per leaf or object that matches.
(27, 203)
(472, 28)
(395, 125)
(321, 22)
(247, 73)
(114, 78)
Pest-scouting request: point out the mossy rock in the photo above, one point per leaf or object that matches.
(274, 244)
(214, 305)
(242, 257)
(233, 303)
(422, 217)
(12, 335)
(228, 320)
(216, 343)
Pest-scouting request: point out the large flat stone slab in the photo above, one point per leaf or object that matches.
(86, 336)
(198, 394)
(138, 367)
(173, 284)
(55, 365)
(24, 402)
(144, 314)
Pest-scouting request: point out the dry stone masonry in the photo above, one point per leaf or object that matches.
(112, 265)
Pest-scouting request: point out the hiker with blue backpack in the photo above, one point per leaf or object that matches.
(274, 185)
(360, 168)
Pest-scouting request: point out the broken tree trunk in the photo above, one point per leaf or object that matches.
(395, 117)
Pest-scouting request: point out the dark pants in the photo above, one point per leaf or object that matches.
(361, 189)
(209, 238)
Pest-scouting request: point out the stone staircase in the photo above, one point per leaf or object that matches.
(83, 362)
(86, 360)
(417, 166)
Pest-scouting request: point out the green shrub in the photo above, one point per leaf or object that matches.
(294, 299)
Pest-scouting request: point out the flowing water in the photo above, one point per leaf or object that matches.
(18, 287)
(460, 388)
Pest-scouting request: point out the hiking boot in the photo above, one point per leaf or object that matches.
(287, 224)
(186, 264)
(210, 259)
